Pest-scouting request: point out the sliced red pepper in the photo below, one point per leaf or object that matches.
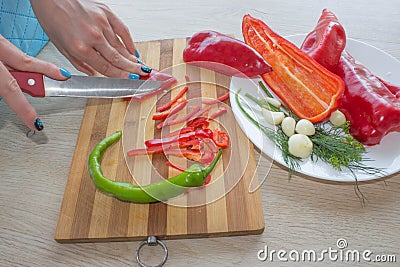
(184, 118)
(181, 131)
(206, 157)
(217, 100)
(145, 151)
(211, 145)
(164, 123)
(224, 54)
(326, 42)
(174, 100)
(221, 139)
(190, 154)
(208, 180)
(308, 89)
(219, 112)
(201, 112)
(199, 123)
(200, 133)
(178, 107)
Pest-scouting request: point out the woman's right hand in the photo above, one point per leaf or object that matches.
(11, 58)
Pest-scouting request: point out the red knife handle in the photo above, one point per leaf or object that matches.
(30, 82)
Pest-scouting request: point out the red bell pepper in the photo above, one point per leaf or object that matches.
(224, 54)
(308, 89)
(326, 42)
(372, 109)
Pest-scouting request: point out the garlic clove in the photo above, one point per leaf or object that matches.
(337, 118)
(305, 127)
(300, 145)
(288, 126)
(272, 117)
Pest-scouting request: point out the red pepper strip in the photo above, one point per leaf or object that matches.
(208, 180)
(145, 151)
(165, 122)
(201, 112)
(166, 79)
(178, 107)
(172, 165)
(200, 133)
(308, 89)
(187, 78)
(185, 118)
(173, 101)
(221, 110)
(192, 144)
(181, 131)
(217, 100)
(221, 139)
(372, 109)
(224, 54)
(199, 123)
(326, 42)
(206, 157)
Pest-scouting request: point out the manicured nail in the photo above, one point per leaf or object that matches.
(38, 124)
(137, 54)
(139, 61)
(65, 73)
(146, 69)
(134, 76)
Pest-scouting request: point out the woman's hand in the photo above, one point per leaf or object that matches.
(91, 36)
(11, 58)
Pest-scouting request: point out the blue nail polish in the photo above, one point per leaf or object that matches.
(65, 73)
(146, 69)
(137, 54)
(134, 76)
(38, 124)
(139, 61)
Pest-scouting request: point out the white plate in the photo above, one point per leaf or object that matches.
(385, 155)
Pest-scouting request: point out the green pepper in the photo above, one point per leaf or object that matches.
(194, 176)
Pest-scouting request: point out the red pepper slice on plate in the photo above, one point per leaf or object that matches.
(308, 89)
(221, 139)
(372, 109)
(221, 53)
(326, 42)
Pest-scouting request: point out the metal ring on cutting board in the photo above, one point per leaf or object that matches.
(151, 241)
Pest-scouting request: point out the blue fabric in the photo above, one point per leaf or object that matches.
(19, 25)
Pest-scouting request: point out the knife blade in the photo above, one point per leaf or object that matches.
(38, 85)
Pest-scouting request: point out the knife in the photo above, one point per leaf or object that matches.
(38, 85)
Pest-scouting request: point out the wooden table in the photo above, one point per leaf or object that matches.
(300, 213)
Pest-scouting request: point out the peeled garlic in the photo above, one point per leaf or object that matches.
(288, 125)
(337, 118)
(276, 103)
(305, 127)
(300, 145)
(272, 117)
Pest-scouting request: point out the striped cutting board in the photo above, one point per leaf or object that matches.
(225, 207)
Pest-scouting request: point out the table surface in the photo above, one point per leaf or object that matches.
(300, 213)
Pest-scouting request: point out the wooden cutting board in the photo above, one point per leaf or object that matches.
(225, 207)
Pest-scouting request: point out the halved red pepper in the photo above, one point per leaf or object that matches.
(224, 54)
(326, 42)
(308, 89)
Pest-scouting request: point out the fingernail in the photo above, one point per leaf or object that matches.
(146, 69)
(134, 76)
(38, 124)
(65, 73)
(137, 54)
(139, 61)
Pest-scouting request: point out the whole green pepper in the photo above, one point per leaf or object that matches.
(194, 176)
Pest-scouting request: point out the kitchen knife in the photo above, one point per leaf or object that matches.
(38, 85)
